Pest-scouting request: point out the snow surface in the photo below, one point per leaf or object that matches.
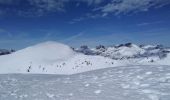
(116, 83)
(165, 61)
(51, 58)
(126, 72)
(56, 58)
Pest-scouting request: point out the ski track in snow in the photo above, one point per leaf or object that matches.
(118, 83)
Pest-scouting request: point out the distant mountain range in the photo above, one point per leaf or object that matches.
(5, 51)
(126, 51)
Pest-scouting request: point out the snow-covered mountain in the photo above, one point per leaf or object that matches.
(57, 58)
(126, 51)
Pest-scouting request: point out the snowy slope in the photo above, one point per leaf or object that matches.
(51, 58)
(44, 53)
(56, 58)
(117, 83)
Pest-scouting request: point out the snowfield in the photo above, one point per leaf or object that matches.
(117, 83)
(56, 58)
(54, 71)
(51, 58)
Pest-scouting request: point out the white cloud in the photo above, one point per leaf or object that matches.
(85, 17)
(42, 7)
(128, 6)
(32, 7)
(39, 7)
(48, 5)
(117, 7)
(91, 2)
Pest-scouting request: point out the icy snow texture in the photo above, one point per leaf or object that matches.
(117, 83)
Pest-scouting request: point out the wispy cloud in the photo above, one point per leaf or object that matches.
(149, 23)
(74, 37)
(5, 33)
(32, 7)
(39, 7)
(117, 7)
(42, 7)
(85, 17)
(92, 2)
(131, 6)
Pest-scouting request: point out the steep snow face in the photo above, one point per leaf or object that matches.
(124, 51)
(130, 51)
(148, 46)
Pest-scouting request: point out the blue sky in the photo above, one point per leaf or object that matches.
(79, 22)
